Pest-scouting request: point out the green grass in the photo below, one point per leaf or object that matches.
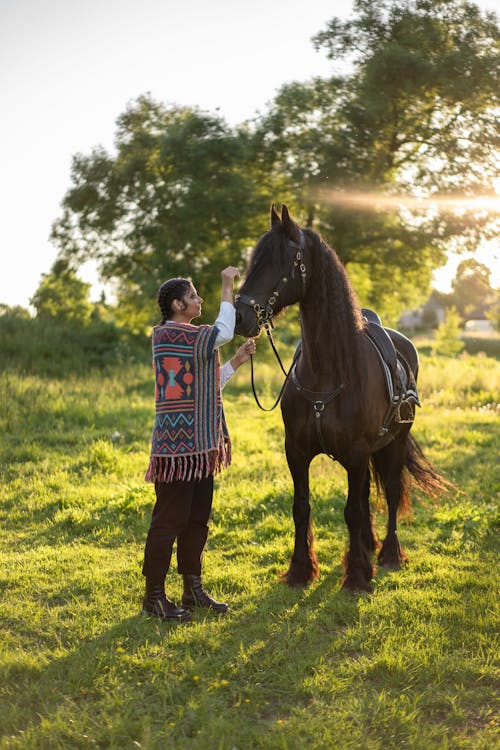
(414, 665)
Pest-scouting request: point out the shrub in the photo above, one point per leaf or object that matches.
(447, 341)
(60, 348)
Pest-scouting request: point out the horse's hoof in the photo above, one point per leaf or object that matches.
(295, 584)
(389, 565)
(392, 560)
(356, 585)
(299, 579)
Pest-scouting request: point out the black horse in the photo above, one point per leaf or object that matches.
(346, 397)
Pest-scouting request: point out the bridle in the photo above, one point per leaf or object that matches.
(264, 312)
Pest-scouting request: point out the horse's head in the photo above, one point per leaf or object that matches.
(275, 277)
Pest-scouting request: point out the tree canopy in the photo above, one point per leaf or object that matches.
(177, 198)
(472, 292)
(416, 115)
(62, 296)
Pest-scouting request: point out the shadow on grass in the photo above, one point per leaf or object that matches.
(137, 676)
(257, 658)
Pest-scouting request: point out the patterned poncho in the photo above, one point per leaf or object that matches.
(190, 437)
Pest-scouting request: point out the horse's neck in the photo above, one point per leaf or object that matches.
(319, 365)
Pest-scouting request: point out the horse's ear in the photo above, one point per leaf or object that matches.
(275, 219)
(289, 225)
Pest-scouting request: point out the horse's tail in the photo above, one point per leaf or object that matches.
(422, 471)
(416, 467)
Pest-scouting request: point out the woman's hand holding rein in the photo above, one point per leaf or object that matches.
(243, 354)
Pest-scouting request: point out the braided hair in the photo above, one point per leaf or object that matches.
(169, 291)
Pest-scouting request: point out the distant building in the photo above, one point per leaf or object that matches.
(429, 315)
(479, 326)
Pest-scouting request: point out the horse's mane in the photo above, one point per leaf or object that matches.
(335, 307)
(273, 247)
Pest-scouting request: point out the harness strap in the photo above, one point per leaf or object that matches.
(319, 401)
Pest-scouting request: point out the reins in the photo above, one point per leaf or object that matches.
(318, 400)
(287, 374)
(268, 327)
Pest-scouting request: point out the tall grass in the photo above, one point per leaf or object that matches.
(412, 665)
(30, 345)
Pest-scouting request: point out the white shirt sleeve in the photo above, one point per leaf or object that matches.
(226, 373)
(225, 323)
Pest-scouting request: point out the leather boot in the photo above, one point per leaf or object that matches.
(156, 604)
(195, 596)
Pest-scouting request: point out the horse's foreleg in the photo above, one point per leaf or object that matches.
(303, 566)
(357, 563)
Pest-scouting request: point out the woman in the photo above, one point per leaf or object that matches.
(190, 440)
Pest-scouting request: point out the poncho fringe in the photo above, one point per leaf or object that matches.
(184, 468)
(188, 406)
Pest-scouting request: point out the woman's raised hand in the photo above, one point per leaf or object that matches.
(230, 273)
(228, 276)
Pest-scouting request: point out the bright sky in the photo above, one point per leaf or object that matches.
(69, 68)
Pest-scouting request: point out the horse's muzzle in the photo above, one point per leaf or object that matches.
(246, 321)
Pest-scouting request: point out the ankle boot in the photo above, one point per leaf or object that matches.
(195, 596)
(156, 604)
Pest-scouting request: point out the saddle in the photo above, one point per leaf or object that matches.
(399, 361)
(398, 374)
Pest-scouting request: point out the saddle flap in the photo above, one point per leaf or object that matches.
(383, 343)
(400, 380)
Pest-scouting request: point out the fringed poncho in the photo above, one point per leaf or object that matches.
(190, 437)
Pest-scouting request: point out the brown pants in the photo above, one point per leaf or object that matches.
(181, 512)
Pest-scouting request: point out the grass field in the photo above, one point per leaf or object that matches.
(414, 665)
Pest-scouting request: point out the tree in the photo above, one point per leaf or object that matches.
(493, 314)
(62, 296)
(177, 198)
(472, 292)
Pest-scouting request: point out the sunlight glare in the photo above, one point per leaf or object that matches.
(376, 201)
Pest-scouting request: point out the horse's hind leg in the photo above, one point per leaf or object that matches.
(357, 563)
(304, 566)
(368, 533)
(389, 466)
